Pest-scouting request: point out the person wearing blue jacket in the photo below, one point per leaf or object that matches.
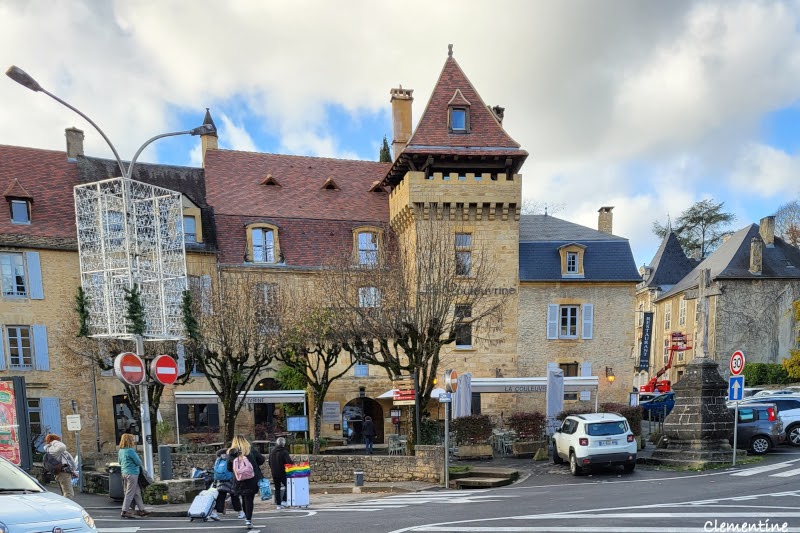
(131, 467)
(224, 484)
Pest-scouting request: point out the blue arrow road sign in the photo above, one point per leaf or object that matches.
(735, 388)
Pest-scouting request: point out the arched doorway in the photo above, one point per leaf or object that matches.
(353, 415)
(264, 413)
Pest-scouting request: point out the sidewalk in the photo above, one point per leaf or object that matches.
(321, 495)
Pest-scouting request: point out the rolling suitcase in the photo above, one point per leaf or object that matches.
(202, 505)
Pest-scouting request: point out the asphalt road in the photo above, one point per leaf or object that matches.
(550, 500)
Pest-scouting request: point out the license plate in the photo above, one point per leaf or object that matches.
(607, 443)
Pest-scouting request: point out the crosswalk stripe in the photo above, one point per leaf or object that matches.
(761, 469)
(787, 473)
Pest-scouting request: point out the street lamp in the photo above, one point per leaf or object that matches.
(24, 79)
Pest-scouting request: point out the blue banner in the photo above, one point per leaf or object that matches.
(647, 333)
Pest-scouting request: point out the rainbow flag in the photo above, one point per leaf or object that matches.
(298, 470)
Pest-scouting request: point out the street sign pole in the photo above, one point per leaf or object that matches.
(144, 412)
(447, 445)
(78, 458)
(735, 394)
(735, 427)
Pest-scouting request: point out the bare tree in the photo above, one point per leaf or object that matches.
(238, 336)
(787, 222)
(434, 286)
(534, 207)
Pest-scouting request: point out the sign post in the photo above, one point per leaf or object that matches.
(74, 424)
(450, 386)
(736, 393)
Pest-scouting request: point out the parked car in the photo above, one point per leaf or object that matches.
(27, 506)
(659, 407)
(749, 391)
(780, 392)
(788, 412)
(647, 396)
(594, 439)
(759, 428)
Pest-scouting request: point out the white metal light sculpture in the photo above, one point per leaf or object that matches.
(130, 233)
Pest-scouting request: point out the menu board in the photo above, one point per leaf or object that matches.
(9, 427)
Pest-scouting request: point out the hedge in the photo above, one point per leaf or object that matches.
(528, 425)
(632, 414)
(765, 374)
(473, 429)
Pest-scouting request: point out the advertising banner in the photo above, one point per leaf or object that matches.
(647, 334)
(9, 424)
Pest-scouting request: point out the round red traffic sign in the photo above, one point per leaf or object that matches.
(129, 367)
(450, 380)
(737, 362)
(164, 369)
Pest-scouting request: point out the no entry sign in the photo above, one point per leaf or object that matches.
(129, 367)
(164, 369)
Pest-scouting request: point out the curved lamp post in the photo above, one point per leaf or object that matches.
(24, 79)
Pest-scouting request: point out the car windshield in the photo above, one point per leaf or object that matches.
(600, 429)
(13, 479)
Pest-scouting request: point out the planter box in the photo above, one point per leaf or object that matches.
(475, 451)
(527, 448)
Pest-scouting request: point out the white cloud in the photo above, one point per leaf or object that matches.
(764, 171)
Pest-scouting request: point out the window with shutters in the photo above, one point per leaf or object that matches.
(20, 347)
(570, 321)
(35, 418)
(667, 316)
(570, 369)
(12, 266)
(682, 313)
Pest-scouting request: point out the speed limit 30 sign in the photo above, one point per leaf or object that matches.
(737, 363)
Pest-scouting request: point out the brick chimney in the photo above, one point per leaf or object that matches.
(756, 255)
(401, 119)
(208, 141)
(766, 228)
(74, 143)
(605, 219)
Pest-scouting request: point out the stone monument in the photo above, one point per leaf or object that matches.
(697, 430)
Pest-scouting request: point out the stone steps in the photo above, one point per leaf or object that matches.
(480, 482)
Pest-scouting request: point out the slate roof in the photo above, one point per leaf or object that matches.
(605, 257)
(732, 261)
(48, 178)
(669, 264)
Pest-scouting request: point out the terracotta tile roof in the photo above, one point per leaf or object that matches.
(16, 190)
(486, 135)
(234, 186)
(49, 178)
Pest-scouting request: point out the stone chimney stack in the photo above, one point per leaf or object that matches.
(766, 228)
(756, 255)
(605, 219)
(401, 119)
(208, 141)
(74, 143)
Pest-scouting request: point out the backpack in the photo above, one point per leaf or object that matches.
(243, 468)
(221, 470)
(52, 464)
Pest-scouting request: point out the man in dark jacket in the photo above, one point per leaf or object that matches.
(368, 430)
(278, 458)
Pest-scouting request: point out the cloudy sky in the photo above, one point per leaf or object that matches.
(648, 106)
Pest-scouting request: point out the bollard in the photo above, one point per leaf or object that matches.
(165, 462)
(359, 478)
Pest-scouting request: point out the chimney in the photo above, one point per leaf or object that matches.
(766, 228)
(401, 119)
(605, 220)
(209, 140)
(756, 251)
(74, 143)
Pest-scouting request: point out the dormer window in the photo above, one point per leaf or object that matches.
(189, 229)
(262, 242)
(572, 264)
(458, 113)
(458, 119)
(20, 212)
(367, 245)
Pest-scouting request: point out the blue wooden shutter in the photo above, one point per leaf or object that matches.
(40, 354)
(2, 347)
(587, 312)
(35, 288)
(51, 416)
(552, 321)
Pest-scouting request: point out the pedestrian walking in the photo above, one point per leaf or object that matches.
(131, 467)
(224, 484)
(278, 459)
(59, 462)
(368, 430)
(245, 462)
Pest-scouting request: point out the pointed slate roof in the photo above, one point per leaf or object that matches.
(669, 265)
(732, 261)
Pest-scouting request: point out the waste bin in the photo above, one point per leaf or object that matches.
(359, 478)
(115, 491)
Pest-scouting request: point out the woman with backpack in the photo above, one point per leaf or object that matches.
(245, 462)
(59, 462)
(131, 466)
(224, 484)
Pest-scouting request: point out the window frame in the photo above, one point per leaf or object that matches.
(263, 228)
(186, 234)
(570, 369)
(462, 245)
(572, 263)
(358, 250)
(682, 313)
(266, 300)
(18, 201)
(462, 313)
(463, 110)
(20, 365)
(667, 316)
(13, 267)
(561, 312)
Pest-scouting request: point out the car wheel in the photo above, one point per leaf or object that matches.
(760, 444)
(557, 460)
(573, 465)
(629, 467)
(793, 435)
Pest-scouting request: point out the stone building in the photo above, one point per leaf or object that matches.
(568, 291)
(754, 279)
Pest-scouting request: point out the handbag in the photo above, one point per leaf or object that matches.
(144, 480)
(264, 489)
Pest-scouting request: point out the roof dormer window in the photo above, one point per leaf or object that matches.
(572, 260)
(458, 119)
(458, 113)
(20, 212)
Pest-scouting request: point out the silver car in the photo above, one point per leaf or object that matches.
(27, 507)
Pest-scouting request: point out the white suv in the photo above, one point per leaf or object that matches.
(594, 439)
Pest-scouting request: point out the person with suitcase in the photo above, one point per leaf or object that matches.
(245, 463)
(278, 458)
(223, 480)
(203, 505)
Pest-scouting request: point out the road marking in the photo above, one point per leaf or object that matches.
(761, 469)
(118, 529)
(788, 473)
(534, 529)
